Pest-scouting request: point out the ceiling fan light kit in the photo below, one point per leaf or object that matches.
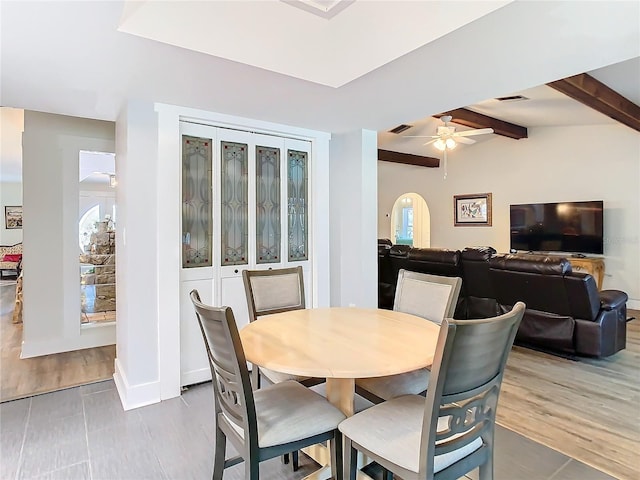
(446, 138)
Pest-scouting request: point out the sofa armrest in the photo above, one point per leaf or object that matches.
(612, 299)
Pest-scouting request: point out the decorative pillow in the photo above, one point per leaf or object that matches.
(12, 257)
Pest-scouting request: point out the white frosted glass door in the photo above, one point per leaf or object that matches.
(259, 220)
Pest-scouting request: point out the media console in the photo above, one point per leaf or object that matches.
(590, 265)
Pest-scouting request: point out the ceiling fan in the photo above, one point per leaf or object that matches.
(446, 138)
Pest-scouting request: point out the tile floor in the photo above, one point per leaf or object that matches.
(83, 433)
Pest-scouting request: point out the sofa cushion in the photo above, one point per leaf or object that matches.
(12, 257)
(547, 330)
(436, 261)
(539, 264)
(521, 278)
(478, 253)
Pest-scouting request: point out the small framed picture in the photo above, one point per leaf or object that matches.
(470, 210)
(13, 217)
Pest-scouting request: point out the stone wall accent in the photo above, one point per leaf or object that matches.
(103, 274)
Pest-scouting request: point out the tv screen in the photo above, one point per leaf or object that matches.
(572, 227)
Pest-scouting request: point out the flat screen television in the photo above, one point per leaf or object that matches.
(571, 227)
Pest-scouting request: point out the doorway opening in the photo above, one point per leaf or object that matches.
(411, 221)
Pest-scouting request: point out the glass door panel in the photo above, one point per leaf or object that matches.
(268, 205)
(234, 203)
(197, 221)
(297, 201)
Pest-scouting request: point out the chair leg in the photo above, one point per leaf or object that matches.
(252, 467)
(350, 466)
(294, 460)
(218, 459)
(255, 377)
(486, 470)
(285, 458)
(337, 468)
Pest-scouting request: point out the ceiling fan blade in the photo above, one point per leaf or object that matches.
(466, 140)
(430, 142)
(479, 131)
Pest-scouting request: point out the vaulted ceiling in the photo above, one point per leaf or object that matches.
(76, 58)
(578, 100)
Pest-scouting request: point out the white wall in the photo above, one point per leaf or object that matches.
(139, 219)
(51, 146)
(600, 162)
(11, 195)
(353, 206)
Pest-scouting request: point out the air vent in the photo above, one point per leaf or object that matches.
(400, 128)
(512, 98)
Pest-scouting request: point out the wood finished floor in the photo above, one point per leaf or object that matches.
(588, 409)
(29, 376)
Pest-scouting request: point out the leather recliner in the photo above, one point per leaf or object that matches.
(479, 297)
(393, 258)
(565, 312)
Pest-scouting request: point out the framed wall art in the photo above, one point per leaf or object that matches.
(472, 210)
(13, 217)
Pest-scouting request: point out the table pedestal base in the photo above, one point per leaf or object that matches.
(321, 454)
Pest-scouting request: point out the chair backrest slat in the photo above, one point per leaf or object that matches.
(465, 382)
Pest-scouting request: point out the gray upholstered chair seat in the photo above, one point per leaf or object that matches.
(393, 430)
(277, 377)
(287, 412)
(410, 383)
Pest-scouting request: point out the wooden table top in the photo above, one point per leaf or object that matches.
(341, 342)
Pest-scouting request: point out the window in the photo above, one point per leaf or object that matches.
(87, 227)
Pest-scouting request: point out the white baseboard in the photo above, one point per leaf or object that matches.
(195, 376)
(633, 304)
(135, 396)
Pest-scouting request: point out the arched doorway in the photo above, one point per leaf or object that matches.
(411, 221)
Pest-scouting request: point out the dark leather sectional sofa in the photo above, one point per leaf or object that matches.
(565, 311)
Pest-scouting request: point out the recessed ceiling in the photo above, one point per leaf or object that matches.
(321, 8)
(280, 37)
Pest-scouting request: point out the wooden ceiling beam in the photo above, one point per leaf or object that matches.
(471, 119)
(595, 94)
(408, 159)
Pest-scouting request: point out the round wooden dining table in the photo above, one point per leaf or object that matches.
(340, 344)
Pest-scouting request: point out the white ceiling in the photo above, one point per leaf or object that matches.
(544, 107)
(278, 37)
(68, 57)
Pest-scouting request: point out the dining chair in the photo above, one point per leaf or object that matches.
(264, 423)
(433, 297)
(275, 291)
(450, 432)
